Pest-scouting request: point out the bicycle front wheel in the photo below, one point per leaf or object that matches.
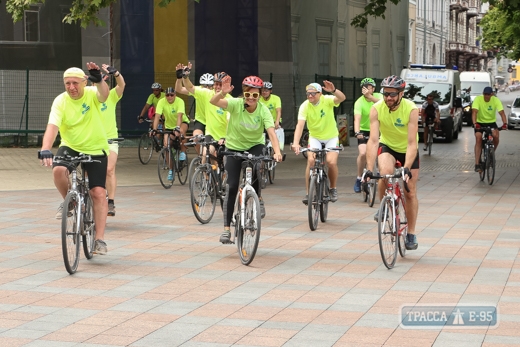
(145, 149)
(182, 167)
(195, 162)
(271, 166)
(203, 193)
(313, 206)
(430, 141)
(166, 175)
(403, 228)
(88, 234)
(262, 174)
(70, 228)
(387, 234)
(324, 206)
(248, 234)
(490, 166)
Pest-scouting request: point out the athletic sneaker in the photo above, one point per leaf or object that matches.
(357, 186)
(376, 216)
(170, 175)
(182, 156)
(100, 247)
(111, 209)
(333, 192)
(225, 237)
(411, 242)
(305, 200)
(478, 168)
(425, 148)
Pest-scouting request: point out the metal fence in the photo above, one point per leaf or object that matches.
(26, 97)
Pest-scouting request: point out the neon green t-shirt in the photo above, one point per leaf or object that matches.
(201, 104)
(79, 121)
(393, 126)
(170, 111)
(272, 104)
(153, 100)
(107, 110)
(362, 107)
(245, 129)
(216, 117)
(487, 110)
(320, 118)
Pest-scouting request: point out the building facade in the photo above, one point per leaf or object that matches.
(431, 31)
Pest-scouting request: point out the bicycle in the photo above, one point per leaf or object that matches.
(267, 170)
(369, 189)
(78, 214)
(392, 225)
(246, 216)
(318, 198)
(304, 141)
(487, 160)
(209, 183)
(147, 144)
(169, 162)
(195, 162)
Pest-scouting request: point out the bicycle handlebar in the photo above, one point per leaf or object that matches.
(316, 150)
(249, 156)
(81, 158)
(398, 173)
(116, 140)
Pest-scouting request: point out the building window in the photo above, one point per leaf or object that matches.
(341, 57)
(323, 58)
(32, 24)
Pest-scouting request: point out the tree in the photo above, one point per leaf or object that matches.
(82, 11)
(501, 29)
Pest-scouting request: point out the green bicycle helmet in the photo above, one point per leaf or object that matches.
(366, 81)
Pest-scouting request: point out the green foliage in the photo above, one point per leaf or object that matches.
(374, 8)
(501, 29)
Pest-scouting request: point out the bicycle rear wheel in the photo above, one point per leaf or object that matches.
(88, 234)
(324, 206)
(386, 234)
(145, 149)
(195, 162)
(249, 235)
(70, 228)
(313, 206)
(403, 229)
(372, 189)
(181, 167)
(203, 193)
(163, 168)
(482, 172)
(490, 165)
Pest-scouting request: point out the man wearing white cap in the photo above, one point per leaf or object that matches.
(318, 112)
(74, 113)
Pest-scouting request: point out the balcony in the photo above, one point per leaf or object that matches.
(472, 12)
(459, 5)
(456, 47)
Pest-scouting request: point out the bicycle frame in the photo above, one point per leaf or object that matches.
(239, 202)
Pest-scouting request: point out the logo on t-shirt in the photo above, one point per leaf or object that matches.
(398, 123)
(103, 107)
(322, 113)
(85, 108)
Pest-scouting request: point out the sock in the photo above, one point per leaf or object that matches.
(110, 201)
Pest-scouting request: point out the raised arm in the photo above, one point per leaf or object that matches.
(183, 79)
(101, 85)
(120, 87)
(219, 98)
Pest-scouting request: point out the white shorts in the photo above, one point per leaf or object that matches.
(330, 143)
(114, 147)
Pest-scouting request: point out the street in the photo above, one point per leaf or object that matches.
(167, 281)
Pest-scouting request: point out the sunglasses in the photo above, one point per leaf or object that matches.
(254, 95)
(311, 93)
(391, 94)
(170, 94)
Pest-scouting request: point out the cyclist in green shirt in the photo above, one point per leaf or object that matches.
(485, 107)
(151, 102)
(273, 103)
(247, 122)
(394, 124)
(362, 124)
(318, 112)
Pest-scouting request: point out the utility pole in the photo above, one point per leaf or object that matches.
(424, 32)
(443, 2)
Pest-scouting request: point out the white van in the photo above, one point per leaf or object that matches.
(472, 84)
(422, 80)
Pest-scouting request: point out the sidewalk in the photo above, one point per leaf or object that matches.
(167, 281)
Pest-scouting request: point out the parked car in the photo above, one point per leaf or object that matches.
(513, 119)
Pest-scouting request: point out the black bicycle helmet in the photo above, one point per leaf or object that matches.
(219, 76)
(393, 81)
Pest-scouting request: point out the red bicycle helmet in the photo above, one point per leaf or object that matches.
(393, 82)
(253, 82)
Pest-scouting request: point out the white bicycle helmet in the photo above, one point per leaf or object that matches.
(156, 86)
(268, 85)
(206, 79)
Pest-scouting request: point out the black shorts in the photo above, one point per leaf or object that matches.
(199, 126)
(97, 172)
(485, 125)
(401, 157)
(364, 140)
